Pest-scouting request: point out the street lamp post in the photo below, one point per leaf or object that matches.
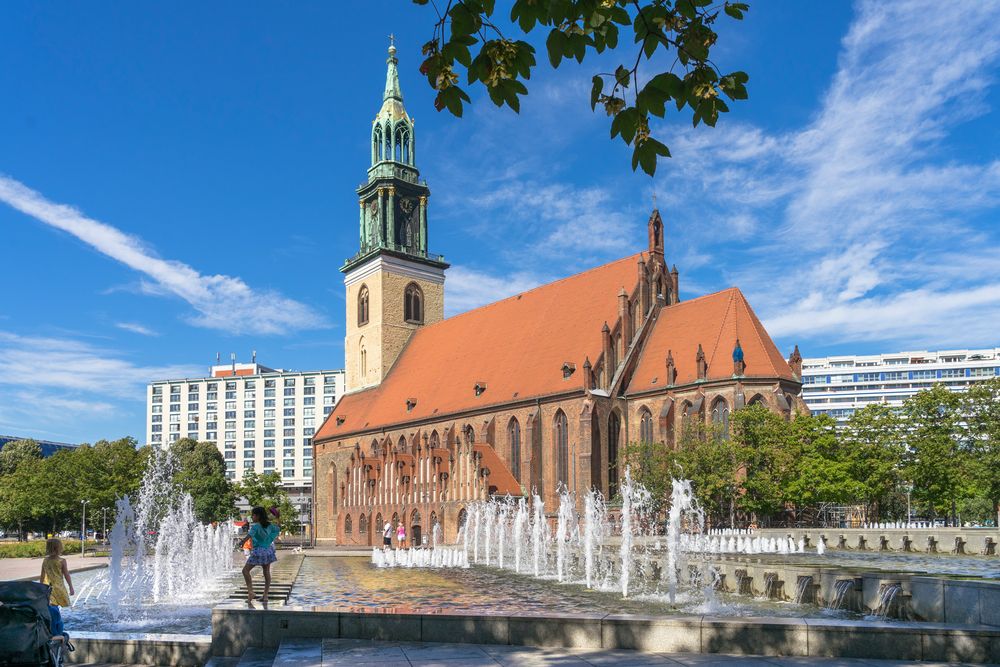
(909, 490)
(83, 529)
(104, 529)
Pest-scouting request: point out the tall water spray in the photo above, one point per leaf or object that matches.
(160, 553)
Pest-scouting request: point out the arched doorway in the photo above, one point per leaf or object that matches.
(416, 538)
(614, 433)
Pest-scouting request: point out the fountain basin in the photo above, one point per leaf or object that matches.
(235, 630)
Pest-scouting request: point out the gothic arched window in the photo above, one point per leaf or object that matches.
(614, 433)
(514, 440)
(347, 525)
(413, 304)
(470, 435)
(435, 440)
(377, 144)
(363, 306)
(645, 426)
(363, 358)
(363, 525)
(562, 448)
(720, 415)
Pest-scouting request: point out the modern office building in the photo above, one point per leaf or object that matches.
(838, 386)
(48, 447)
(262, 419)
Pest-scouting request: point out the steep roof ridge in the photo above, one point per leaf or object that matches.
(757, 327)
(730, 307)
(529, 291)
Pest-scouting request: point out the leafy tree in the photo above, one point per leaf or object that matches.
(16, 452)
(981, 408)
(936, 465)
(265, 490)
(873, 440)
(710, 459)
(201, 472)
(673, 37)
(823, 468)
(649, 465)
(768, 457)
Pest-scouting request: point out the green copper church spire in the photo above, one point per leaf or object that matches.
(393, 202)
(392, 90)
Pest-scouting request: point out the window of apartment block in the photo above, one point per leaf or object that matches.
(175, 389)
(268, 413)
(175, 428)
(288, 432)
(289, 391)
(250, 384)
(230, 394)
(175, 407)
(269, 453)
(289, 442)
(212, 425)
(156, 419)
(230, 435)
(290, 421)
(211, 435)
(157, 437)
(983, 372)
(268, 383)
(249, 423)
(309, 421)
(230, 444)
(269, 432)
(269, 393)
(289, 382)
(288, 453)
(157, 391)
(231, 455)
(248, 465)
(270, 402)
(175, 419)
(953, 373)
(289, 412)
(289, 402)
(156, 409)
(192, 426)
(157, 428)
(192, 407)
(249, 405)
(309, 400)
(157, 399)
(269, 442)
(230, 385)
(308, 473)
(308, 431)
(230, 465)
(269, 465)
(249, 414)
(327, 409)
(230, 405)
(288, 473)
(309, 391)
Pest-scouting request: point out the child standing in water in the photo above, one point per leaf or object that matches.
(262, 536)
(55, 573)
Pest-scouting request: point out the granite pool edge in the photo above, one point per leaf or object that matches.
(235, 630)
(131, 648)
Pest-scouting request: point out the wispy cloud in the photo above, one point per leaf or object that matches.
(221, 302)
(136, 328)
(852, 216)
(468, 288)
(36, 363)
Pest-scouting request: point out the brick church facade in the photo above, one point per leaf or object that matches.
(539, 390)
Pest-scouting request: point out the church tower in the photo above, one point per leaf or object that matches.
(393, 284)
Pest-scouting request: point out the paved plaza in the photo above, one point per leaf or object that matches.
(20, 569)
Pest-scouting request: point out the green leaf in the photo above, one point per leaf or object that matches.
(669, 83)
(556, 45)
(626, 123)
(595, 91)
(622, 76)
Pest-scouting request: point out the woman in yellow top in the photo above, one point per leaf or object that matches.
(56, 575)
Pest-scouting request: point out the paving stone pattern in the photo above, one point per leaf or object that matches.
(364, 653)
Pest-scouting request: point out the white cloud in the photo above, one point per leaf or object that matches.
(220, 302)
(863, 230)
(37, 363)
(468, 288)
(136, 328)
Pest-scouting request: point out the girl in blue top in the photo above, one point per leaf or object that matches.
(262, 536)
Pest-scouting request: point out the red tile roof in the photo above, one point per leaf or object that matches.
(516, 346)
(714, 321)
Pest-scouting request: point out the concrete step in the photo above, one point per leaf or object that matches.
(257, 657)
(300, 653)
(220, 661)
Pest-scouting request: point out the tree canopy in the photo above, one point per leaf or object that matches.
(672, 39)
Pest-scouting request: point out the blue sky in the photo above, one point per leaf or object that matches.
(177, 181)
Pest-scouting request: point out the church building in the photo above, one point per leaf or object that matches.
(526, 395)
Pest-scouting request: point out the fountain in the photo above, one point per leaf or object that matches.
(161, 556)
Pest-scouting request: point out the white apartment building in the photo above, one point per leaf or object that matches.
(838, 386)
(261, 419)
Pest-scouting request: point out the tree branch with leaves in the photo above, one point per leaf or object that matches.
(672, 38)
